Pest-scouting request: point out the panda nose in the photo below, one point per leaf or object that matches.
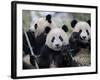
(57, 45)
(84, 37)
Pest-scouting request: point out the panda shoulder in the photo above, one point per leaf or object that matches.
(45, 50)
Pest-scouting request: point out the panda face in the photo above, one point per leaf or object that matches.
(84, 30)
(56, 38)
(57, 42)
(84, 35)
(39, 26)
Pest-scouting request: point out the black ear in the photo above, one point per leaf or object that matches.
(65, 28)
(48, 18)
(89, 22)
(47, 29)
(73, 23)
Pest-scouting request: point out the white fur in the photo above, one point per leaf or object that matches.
(42, 23)
(83, 26)
(56, 33)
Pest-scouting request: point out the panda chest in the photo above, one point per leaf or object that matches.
(52, 59)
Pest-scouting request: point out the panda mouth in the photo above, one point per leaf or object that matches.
(83, 40)
(57, 47)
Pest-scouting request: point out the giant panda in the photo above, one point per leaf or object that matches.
(80, 41)
(81, 34)
(37, 35)
(53, 54)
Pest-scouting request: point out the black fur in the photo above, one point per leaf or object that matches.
(35, 26)
(40, 41)
(73, 23)
(89, 22)
(31, 37)
(76, 44)
(48, 18)
(83, 45)
(36, 44)
(60, 60)
(47, 29)
(73, 42)
(65, 28)
(76, 41)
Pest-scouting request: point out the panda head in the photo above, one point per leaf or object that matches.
(39, 25)
(83, 29)
(56, 38)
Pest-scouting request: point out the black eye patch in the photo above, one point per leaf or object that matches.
(87, 32)
(60, 38)
(35, 26)
(80, 31)
(53, 39)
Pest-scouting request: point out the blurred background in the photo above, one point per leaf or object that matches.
(59, 17)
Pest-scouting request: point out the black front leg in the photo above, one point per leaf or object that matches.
(63, 60)
(44, 59)
(44, 62)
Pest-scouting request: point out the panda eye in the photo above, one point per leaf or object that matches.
(60, 38)
(53, 39)
(87, 32)
(80, 31)
(35, 26)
